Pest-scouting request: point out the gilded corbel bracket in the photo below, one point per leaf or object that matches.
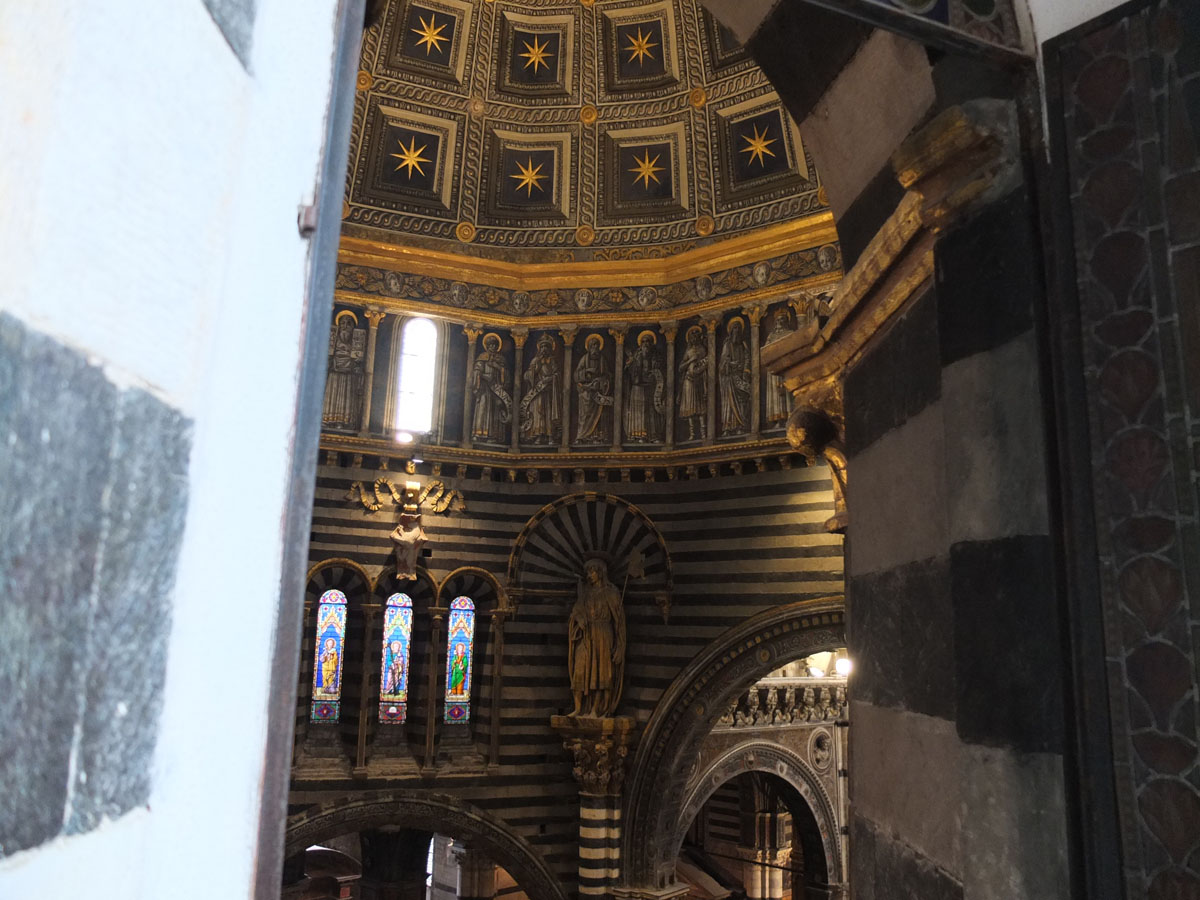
(963, 160)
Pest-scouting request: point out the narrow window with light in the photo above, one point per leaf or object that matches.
(417, 379)
(459, 649)
(397, 643)
(327, 657)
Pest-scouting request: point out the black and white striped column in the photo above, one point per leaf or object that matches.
(599, 843)
(600, 747)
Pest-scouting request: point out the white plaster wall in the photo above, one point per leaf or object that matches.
(1051, 18)
(148, 202)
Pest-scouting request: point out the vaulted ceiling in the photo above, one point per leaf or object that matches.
(556, 131)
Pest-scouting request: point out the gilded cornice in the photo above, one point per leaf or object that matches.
(734, 451)
(815, 285)
(809, 232)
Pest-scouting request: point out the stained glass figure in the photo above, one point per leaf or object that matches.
(397, 642)
(327, 657)
(460, 637)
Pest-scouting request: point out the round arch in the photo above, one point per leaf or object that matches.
(688, 710)
(340, 562)
(438, 813)
(385, 583)
(482, 574)
(763, 756)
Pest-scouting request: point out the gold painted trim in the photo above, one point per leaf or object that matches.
(742, 249)
(743, 451)
(607, 318)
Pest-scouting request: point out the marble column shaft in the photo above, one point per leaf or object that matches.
(476, 873)
(754, 317)
(713, 364)
(519, 338)
(393, 864)
(670, 329)
(568, 339)
(472, 332)
(618, 336)
(374, 317)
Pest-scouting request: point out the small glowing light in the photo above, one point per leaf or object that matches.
(814, 672)
(404, 437)
(843, 666)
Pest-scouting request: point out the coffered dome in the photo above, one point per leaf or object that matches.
(553, 131)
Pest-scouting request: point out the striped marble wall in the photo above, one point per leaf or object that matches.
(738, 544)
(951, 608)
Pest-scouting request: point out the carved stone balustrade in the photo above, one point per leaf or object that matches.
(783, 702)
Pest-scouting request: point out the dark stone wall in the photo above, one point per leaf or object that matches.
(951, 604)
(91, 517)
(1124, 99)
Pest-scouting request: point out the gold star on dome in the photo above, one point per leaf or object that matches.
(410, 157)
(758, 145)
(536, 54)
(529, 177)
(431, 34)
(639, 47)
(646, 169)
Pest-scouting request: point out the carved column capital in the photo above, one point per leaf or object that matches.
(711, 324)
(753, 313)
(473, 332)
(618, 335)
(670, 330)
(600, 749)
(568, 333)
(374, 317)
(520, 336)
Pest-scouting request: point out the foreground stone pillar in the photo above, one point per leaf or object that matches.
(393, 861)
(599, 747)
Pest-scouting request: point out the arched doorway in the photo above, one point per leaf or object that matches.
(657, 790)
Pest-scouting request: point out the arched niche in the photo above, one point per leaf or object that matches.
(655, 789)
(549, 553)
(438, 813)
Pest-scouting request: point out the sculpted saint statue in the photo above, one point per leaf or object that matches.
(693, 383)
(779, 398)
(596, 639)
(734, 375)
(541, 410)
(489, 385)
(408, 538)
(344, 381)
(644, 401)
(593, 385)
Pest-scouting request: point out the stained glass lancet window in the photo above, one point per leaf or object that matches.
(459, 650)
(418, 375)
(327, 657)
(397, 643)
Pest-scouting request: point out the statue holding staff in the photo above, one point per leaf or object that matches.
(596, 641)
